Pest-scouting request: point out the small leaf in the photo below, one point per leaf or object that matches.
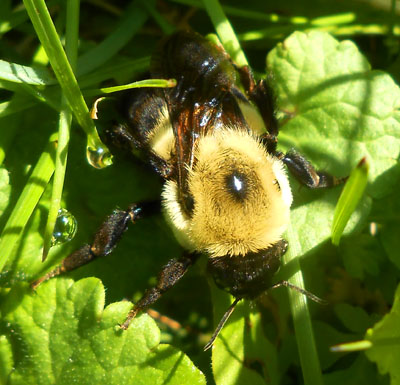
(351, 195)
(326, 335)
(362, 255)
(61, 334)
(385, 337)
(360, 372)
(391, 242)
(353, 318)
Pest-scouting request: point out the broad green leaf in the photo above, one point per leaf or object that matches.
(337, 112)
(61, 334)
(385, 337)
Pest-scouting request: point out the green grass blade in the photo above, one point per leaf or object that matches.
(154, 83)
(166, 27)
(27, 201)
(134, 18)
(65, 119)
(301, 316)
(348, 200)
(64, 123)
(47, 34)
(225, 31)
(239, 12)
(351, 346)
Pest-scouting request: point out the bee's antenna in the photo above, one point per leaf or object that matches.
(221, 324)
(312, 296)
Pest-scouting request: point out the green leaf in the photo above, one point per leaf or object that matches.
(386, 216)
(61, 334)
(385, 337)
(13, 72)
(353, 318)
(391, 242)
(338, 110)
(361, 372)
(361, 255)
(349, 198)
(326, 336)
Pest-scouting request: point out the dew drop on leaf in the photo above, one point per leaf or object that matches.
(98, 157)
(65, 227)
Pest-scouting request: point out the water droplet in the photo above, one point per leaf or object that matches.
(65, 227)
(98, 157)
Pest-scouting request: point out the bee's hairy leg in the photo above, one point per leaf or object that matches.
(306, 174)
(105, 239)
(169, 275)
(118, 135)
(131, 133)
(262, 95)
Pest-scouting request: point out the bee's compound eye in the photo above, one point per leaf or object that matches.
(237, 185)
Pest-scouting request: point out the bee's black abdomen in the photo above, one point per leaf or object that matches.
(195, 62)
(250, 275)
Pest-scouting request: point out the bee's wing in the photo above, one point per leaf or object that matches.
(203, 99)
(195, 116)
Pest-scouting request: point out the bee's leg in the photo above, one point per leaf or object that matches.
(262, 95)
(169, 275)
(306, 174)
(105, 239)
(141, 114)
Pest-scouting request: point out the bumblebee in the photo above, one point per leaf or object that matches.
(213, 140)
